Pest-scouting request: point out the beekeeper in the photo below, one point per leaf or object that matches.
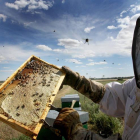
(115, 99)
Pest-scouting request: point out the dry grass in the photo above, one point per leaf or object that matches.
(65, 90)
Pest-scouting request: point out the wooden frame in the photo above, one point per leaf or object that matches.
(18, 126)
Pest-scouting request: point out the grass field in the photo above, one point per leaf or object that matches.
(98, 122)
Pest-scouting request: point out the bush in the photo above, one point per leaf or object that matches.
(106, 126)
(120, 78)
(99, 122)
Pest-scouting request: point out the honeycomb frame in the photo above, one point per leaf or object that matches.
(19, 126)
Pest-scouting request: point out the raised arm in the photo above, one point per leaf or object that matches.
(111, 97)
(91, 89)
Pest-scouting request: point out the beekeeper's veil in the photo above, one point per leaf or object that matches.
(136, 52)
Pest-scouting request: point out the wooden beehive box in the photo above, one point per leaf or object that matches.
(25, 97)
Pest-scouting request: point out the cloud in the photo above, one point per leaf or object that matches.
(135, 9)
(70, 38)
(96, 63)
(2, 58)
(119, 44)
(87, 51)
(125, 35)
(28, 23)
(111, 27)
(63, 1)
(107, 67)
(69, 43)
(90, 60)
(132, 5)
(3, 17)
(88, 29)
(6, 67)
(44, 47)
(91, 70)
(121, 14)
(74, 61)
(80, 66)
(11, 5)
(124, 21)
(30, 4)
(15, 53)
(57, 50)
(6, 70)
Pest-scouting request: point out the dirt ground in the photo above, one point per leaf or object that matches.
(7, 133)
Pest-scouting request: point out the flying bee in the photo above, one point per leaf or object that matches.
(87, 40)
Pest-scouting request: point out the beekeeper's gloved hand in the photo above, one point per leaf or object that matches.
(68, 122)
(93, 90)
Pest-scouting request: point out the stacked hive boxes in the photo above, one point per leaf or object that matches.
(67, 100)
(52, 114)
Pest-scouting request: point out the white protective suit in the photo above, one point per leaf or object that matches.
(123, 100)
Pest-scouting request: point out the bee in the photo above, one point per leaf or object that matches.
(17, 107)
(34, 100)
(11, 93)
(37, 109)
(25, 123)
(41, 95)
(37, 103)
(22, 106)
(9, 117)
(33, 95)
(17, 114)
(51, 77)
(24, 85)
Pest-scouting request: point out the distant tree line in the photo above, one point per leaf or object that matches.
(118, 78)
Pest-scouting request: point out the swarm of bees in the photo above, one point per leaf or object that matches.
(29, 92)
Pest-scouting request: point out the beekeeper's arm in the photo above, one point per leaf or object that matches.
(112, 97)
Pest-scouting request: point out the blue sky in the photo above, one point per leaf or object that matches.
(27, 28)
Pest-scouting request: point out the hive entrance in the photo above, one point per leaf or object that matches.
(26, 97)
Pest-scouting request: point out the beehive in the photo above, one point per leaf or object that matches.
(25, 97)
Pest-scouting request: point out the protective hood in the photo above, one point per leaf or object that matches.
(136, 52)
